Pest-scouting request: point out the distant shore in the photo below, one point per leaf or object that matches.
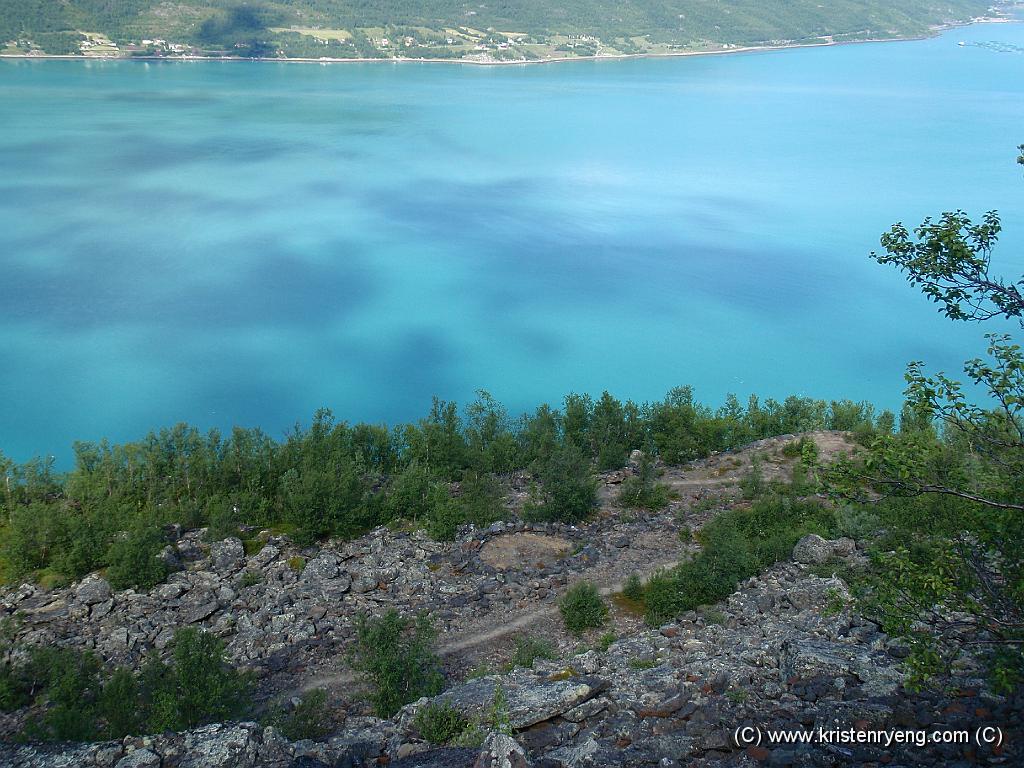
(934, 32)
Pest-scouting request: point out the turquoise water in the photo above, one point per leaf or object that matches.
(241, 243)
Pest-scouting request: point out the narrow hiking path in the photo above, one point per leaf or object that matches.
(485, 632)
(701, 488)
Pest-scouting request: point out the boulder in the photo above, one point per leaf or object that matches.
(169, 557)
(528, 702)
(93, 590)
(227, 555)
(501, 751)
(812, 549)
(806, 658)
(321, 568)
(266, 555)
(197, 605)
(140, 758)
(219, 746)
(363, 583)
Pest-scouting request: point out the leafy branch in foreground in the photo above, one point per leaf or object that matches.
(949, 261)
(949, 486)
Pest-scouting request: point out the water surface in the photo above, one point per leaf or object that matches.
(241, 243)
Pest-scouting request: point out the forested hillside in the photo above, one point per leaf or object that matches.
(513, 29)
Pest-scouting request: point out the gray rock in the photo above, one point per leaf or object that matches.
(844, 547)
(107, 756)
(92, 590)
(529, 702)
(321, 568)
(266, 555)
(501, 751)
(140, 758)
(218, 746)
(576, 756)
(169, 557)
(170, 591)
(99, 610)
(812, 549)
(197, 605)
(227, 555)
(364, 583)
(806, 658)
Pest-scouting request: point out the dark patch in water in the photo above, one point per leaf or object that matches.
(270, 286)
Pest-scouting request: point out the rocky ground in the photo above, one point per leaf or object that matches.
(784, 652)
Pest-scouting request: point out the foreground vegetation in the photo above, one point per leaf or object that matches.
(445, 29)
(938, 504)
(336, 479)
(81, 701)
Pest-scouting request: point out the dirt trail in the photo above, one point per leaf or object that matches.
(474, 639)
(646, 554)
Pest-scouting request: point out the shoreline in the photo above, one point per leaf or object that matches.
(935, 32)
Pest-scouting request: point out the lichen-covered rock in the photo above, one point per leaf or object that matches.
(93, 590)
(806, 658)
(501, 751)
(139, 758)
(529, 700)
(321, 568)
(227, 555)
(812, 549)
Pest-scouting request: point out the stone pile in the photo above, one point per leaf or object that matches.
(783, 652)
(283, 607)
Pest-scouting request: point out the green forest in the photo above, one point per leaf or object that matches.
(445, 28)
(332, 478)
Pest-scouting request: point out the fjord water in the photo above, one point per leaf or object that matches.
(241, 243)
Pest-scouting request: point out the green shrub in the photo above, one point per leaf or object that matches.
(79, 705)
(792, 449)
(737, 544)
(494, 719)
(71, 683)
(439, 723)
(753, 484)
(444, 514)
(661, 597)
(529, 649)
(583, 608)
(307, 719)
(634, 588)
(643, 491)
(395, 656)
(14, 692)
(567, 491)
(33, 534)
(200, 687)
(250, 579)
(119, 706)
(483, 669)
(409, 494)
(857, 522)
(481, 499)
(134, 562)
(605, 641)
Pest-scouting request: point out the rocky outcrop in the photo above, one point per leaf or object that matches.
(502, 751)
(284, 607)
(781, 653)
(812, 549)
(784, 652)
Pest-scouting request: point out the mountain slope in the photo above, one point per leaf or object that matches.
(454, 28)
